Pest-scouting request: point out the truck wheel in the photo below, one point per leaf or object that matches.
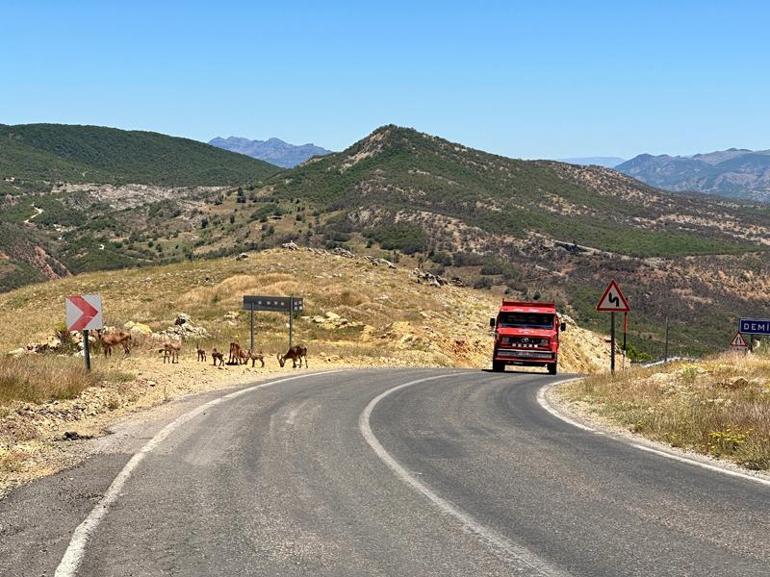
(498, 367)
(552, 368)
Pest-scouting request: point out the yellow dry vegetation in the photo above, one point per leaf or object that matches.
(386, 317)
(718, 406)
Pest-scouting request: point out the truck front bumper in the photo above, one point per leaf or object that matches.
(524, 357)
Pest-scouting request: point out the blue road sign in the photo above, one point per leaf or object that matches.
(754, 326)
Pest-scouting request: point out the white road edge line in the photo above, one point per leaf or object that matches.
(543, 402)
(73, 556)
(703, 465)
(487, 534)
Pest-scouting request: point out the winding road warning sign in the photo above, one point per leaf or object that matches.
(613, 300)
(84, 312)
(739, 342)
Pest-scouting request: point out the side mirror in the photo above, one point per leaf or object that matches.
(492, 322)
(563, 327)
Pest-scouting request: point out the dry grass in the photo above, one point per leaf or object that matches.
(40, 379)
(397, 320)
(719, 406)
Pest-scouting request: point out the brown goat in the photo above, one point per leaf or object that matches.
(110, 340)
(216, 356)
(295, 353)
(170, 352)
(252, 356)
(201, 354)
(234, 358)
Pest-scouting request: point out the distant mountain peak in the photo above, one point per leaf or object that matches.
(734, 172)
(273, 150)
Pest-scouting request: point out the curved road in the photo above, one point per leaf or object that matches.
(351, 474)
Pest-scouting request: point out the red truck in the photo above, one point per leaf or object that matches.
(526, 334)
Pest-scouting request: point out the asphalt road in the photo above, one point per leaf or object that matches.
(334, 475)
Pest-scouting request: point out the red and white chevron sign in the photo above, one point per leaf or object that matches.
(84, 312)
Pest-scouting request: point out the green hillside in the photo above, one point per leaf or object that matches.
(397, 168)
(522, 228)
(529, 227)
(96, 154)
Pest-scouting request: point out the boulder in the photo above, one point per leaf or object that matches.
(342, 252)
(182, 319)
(138, 329)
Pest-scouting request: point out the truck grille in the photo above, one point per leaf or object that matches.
(526, 342)
(525, 354)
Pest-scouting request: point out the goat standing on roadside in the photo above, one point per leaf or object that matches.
(109, 340)
(216, 356)
(201, 354)
(234, 358)
(295, 353)
(171, 352)
(252, 356)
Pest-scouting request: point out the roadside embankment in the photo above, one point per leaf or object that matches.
(719, 406)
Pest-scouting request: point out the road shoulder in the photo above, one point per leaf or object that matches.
(582, 416)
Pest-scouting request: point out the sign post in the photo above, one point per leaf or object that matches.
(290, 304)
(613, 301)
(84, 313)
(291, 318)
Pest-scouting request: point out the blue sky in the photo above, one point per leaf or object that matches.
(534, 79)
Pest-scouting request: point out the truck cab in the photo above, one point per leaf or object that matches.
(526, 334)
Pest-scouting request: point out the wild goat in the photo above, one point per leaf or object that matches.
(109, 340)
(252, 356)
(170, 352)
(216, 356)
(295, 353)
(234, 357)
(201, 353)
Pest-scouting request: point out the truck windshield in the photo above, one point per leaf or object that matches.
(525, 320)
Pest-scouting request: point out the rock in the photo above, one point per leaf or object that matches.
(232, 315)
(53, 343)
(739, 383)
(75, 436)
(426, 277)
(138, 329)
(333, 316)
(242, 256)
(290, 246)
(16, 353)
(343, 252)
(181, 319)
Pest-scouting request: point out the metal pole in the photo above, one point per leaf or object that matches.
(612, 343)
(291, 316)
(86, 350)
(625, 339)
(665, 351)
(251, 328)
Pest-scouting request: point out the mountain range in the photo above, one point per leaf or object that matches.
(524, 228)
(605, 161)
(273, 150)
(733, 173)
